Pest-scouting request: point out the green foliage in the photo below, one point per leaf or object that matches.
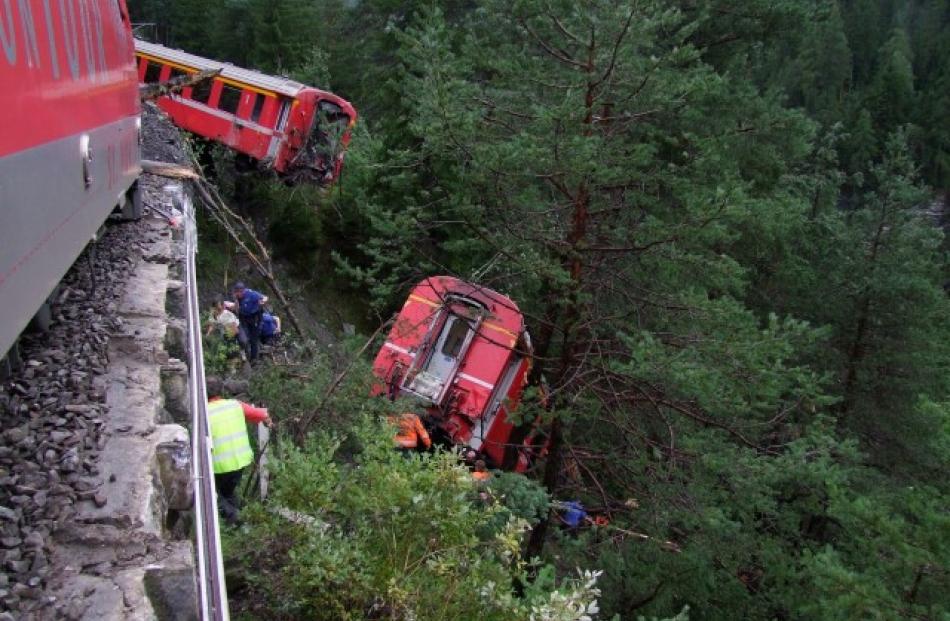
(745, 342)
(518, 498)
(221, 356)
(295, 227)
(385, 536)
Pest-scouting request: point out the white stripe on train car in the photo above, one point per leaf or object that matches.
(227, 116)
(477, 381)
(401, 350)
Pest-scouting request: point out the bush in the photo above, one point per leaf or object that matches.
(383, 536)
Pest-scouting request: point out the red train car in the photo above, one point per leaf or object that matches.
(463, 350)
(299, 131)
(69, 143)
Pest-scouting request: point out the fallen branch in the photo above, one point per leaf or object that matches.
(169, 169)
(666, 545)
(221, 213)
(308, 420)
(148, 92)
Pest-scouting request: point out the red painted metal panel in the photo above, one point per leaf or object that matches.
(470, 409)
(70, 97)
(56, 56)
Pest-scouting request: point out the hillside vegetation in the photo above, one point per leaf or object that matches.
(717, 219)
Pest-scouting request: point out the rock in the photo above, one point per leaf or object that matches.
(39, 563)
(17, 567)
(100, 499)
(16, 435)
(34, 540)
(174, 467)
(70, 460)
(75, 610)
(23, 591)
(98, 569)
(86, 485)
(10, 542)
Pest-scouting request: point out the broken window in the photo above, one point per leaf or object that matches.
(230, 98)
(454, 340)
(201, 91)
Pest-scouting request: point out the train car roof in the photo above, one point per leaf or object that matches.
(277, 84)
(504, 309)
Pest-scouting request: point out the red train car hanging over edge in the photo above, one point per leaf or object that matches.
(464, 351)
(299, 131)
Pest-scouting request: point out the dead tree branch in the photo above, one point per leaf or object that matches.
(222, 214)
(308, 420)
(148, 92)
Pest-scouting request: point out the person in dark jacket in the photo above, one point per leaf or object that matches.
(270, 328)
(250, 305)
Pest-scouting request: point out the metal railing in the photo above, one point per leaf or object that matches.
(212, 593)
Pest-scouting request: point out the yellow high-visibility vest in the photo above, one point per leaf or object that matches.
(230, 446)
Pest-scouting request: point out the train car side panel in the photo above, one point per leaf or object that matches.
(298, 131)
(70, 152)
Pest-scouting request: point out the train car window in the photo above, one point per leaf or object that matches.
(455, 338)
(258, 107)
(230, 98)
(152, 72)
(177, 73)
(201, 91)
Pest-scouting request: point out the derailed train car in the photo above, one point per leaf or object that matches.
(69, 144)
(464, 351)
(299, 131)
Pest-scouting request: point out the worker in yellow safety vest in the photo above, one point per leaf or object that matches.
(410, 431)
(231, 448)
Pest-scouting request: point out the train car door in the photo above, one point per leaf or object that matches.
(443, 359)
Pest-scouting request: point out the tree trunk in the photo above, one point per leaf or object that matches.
(551, 470)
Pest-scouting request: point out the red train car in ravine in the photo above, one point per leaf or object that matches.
(69, 143)
(299, 131)
(464, 351)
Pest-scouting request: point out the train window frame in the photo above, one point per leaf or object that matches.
(153, 72)
(201, 92)
(230, 98)
(259, 102)
(456, 336)
(283, 115)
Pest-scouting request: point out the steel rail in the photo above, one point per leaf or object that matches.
(212, 594)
